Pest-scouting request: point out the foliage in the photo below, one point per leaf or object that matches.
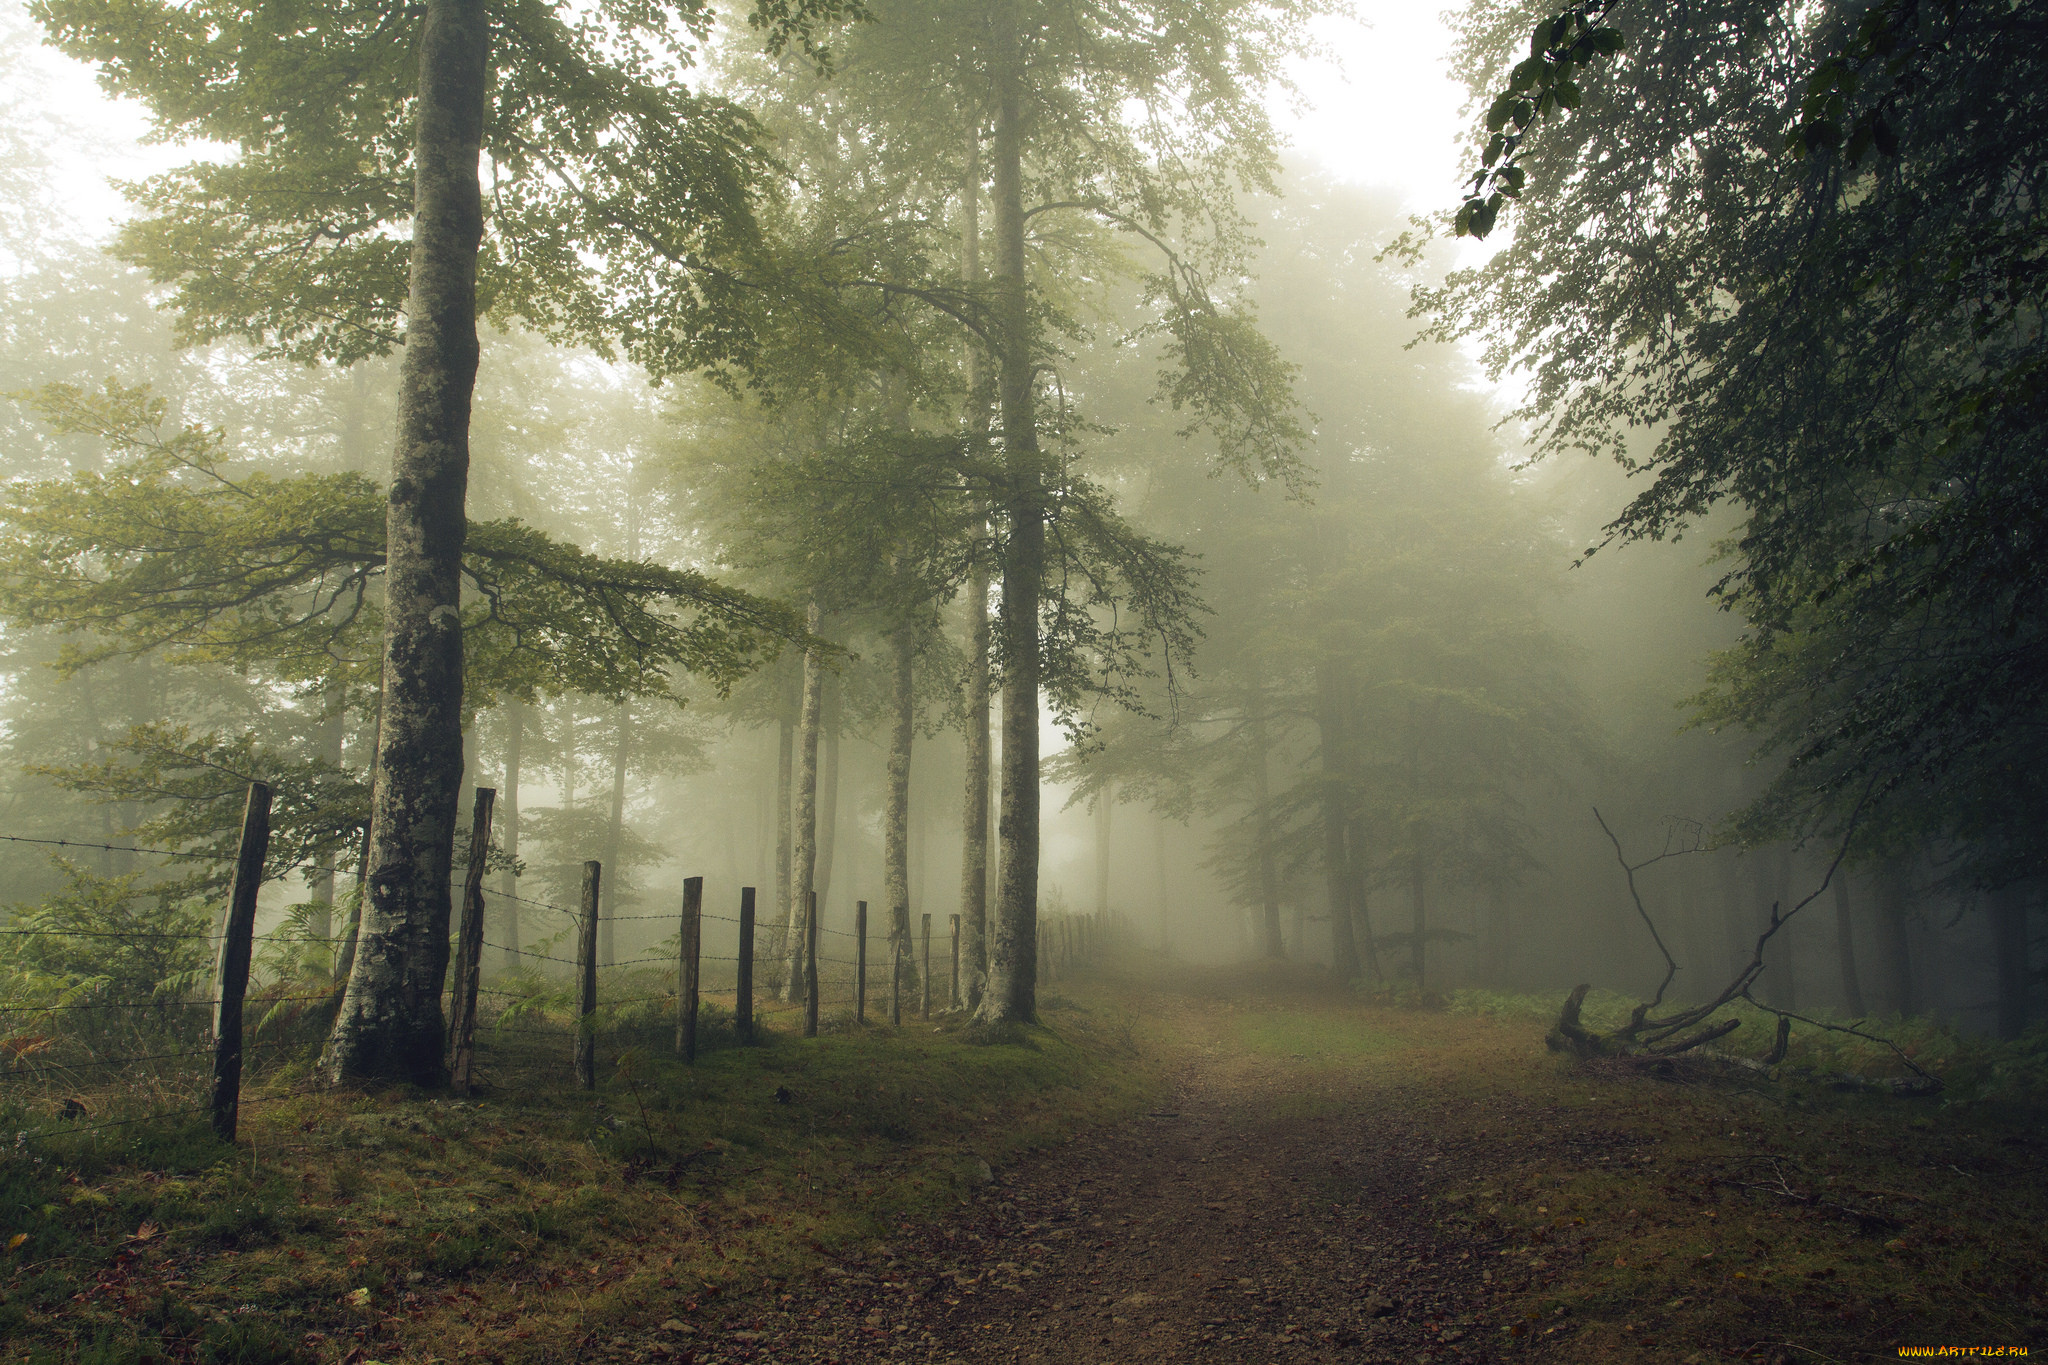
(173, 550)
(1845, 348)
(619, 199)
(103, 941)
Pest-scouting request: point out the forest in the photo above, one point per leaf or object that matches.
(995, 680)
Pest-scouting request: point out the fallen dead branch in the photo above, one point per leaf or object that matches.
(1651, 1037)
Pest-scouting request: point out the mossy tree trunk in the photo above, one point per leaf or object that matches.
(804, 848)
(390, 1024)
(1012, 993)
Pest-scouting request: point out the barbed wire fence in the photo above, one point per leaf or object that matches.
(76, 1057)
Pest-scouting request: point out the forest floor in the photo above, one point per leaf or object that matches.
(1241, 1167)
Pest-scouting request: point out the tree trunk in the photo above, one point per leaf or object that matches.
(1269, 858)
(804, 862)
(1338, 874)
(1361, 918)
(345, 962)
(1013, 950)
(785, 799)
(1845, 947)
(896, 806)
(828, 802)
(1498, 954)
(1105, 805)
(390, 1023)
(333, 729)
(974, 807)
(615, 839)
(507, 917)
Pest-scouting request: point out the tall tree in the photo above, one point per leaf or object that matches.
(1809, 263)
(597, 154)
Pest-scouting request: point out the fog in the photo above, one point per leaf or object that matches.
(1327, 672)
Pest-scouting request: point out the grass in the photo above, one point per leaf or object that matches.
(1973, 1069)
(1314, 1037)
(1646, 1220)
(1621, 1218)
(536, 1218)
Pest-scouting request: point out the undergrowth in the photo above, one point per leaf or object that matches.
(1972, 1068)
(417, 1226)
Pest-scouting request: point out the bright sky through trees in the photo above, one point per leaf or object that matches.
(1377, 109)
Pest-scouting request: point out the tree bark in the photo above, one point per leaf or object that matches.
(508, 913)
(828, 797)
(615, 838)
(896, 805)
(1361, 917)
(390, 1023)
(1269, 858)
(785, 830)
(1337, 855)
(974, 806)
(1012, 993)
(345, 961)
(333, 730)
(1845, 947)
(804, 861)
(1105, 806)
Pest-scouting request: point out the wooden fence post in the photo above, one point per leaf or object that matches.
(925, 934)
(687, 968)
(811, 967)
(586, 980)
(860, 962)
(895, 978)
(469, 944)
(231, 975)
(954, 1001)
(743, 1001)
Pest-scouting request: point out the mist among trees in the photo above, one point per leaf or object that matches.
(955, 469)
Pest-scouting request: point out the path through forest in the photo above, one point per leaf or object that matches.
(1281, 1205)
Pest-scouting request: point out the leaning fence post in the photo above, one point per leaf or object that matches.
(469, 943)
(860, 962)
(743, 998)
(586, 980)
(687, 968)
(231, 977)
(811, 967)
(925, 934)
(895, 978)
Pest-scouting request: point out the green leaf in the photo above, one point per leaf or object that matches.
(1493, 149)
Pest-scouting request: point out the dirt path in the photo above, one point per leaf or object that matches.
(1278, 1208)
